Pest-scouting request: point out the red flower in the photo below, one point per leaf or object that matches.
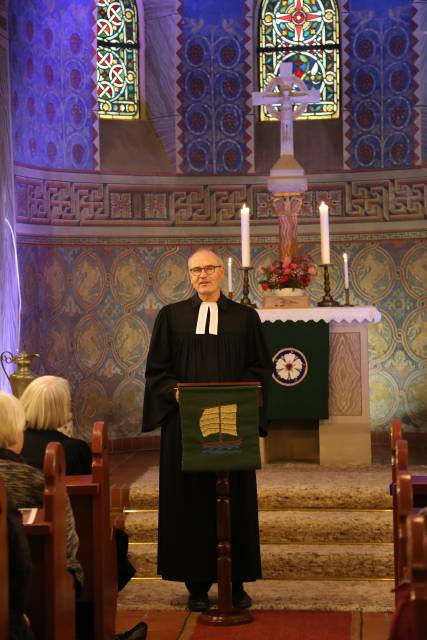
(294, 272)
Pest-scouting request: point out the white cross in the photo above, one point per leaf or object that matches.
(285, 91)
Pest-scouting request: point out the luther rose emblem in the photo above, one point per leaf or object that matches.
(290, 367)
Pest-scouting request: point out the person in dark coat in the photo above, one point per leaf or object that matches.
(207, 338)
(19, 574)
(47, 406)
(25, 484)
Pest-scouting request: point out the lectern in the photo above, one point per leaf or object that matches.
(219, 424)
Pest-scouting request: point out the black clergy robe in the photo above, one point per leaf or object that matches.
(187, 517)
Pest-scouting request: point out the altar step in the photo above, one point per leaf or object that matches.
(327, 528)
(291, 561)
(292, 527)
(301, 595)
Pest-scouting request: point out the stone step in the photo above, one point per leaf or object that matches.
(292, 561)
(291, 486)
(307, 527)
(302, 595)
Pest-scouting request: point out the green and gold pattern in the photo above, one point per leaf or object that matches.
(89, 312)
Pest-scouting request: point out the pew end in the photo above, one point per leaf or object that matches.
(51, 599)
(417, 554)
(90, 501)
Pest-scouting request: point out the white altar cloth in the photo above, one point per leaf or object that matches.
(328, 314)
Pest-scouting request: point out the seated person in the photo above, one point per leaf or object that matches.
(47, 406)
(19, 574)
(25, 484)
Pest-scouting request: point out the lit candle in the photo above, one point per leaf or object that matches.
(244, 230)
(324, 234)
(230, 275)
(345, 258)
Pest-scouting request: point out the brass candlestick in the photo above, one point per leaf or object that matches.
(347, 298)
(327, 300)
(245, 297)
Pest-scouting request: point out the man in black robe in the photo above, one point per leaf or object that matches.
(207, 338)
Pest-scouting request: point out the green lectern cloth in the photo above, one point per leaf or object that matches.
(219, 427)
(300, 354)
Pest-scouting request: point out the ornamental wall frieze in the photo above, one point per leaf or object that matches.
(64, 202)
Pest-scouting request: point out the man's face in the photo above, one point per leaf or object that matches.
(207, 285)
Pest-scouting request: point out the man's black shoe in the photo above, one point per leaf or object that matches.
(138, 632)
(198, 602)
(241, 600)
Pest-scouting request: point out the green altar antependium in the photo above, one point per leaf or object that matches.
(219, 428)
(299, 386)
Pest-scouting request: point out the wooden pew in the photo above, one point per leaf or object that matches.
(417, 559)
(51, 601)
(410, 618)
(4, 565)
(90, 500)
(400, 463)
(404, 503)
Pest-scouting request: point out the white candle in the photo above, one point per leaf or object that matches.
(230, 275)
(345, 258)
(324, 234)
(244, 231)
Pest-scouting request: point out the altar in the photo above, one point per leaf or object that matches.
(344, 437)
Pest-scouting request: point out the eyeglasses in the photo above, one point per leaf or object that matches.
(209, 269)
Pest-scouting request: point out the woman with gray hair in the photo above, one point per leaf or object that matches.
(47, 407)
(25, 484)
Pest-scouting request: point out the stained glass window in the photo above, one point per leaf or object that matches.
(117, 59)
(305, 33)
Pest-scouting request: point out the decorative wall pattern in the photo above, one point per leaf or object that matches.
(214, 125)
(52, 66)
(381, 85)
(89, 311)
(63, 202)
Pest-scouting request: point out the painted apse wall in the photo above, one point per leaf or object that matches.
(101, 254)
(53, 83)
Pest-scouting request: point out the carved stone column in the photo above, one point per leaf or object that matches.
(287, 207)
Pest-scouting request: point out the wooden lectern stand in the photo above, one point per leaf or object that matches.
(225, 614)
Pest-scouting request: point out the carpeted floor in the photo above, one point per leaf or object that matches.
(287, 625)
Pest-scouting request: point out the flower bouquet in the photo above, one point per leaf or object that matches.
(284, 281)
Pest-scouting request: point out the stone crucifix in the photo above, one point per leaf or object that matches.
(285, 98)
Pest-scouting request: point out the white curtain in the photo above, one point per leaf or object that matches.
(9, 274)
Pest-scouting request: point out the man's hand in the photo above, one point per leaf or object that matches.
(177, 395)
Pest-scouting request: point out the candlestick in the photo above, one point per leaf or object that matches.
(230, 275)
(324, 233)
(245, 297)
(327, 300)
(245, 234)
(347, 298)
(345, 258)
